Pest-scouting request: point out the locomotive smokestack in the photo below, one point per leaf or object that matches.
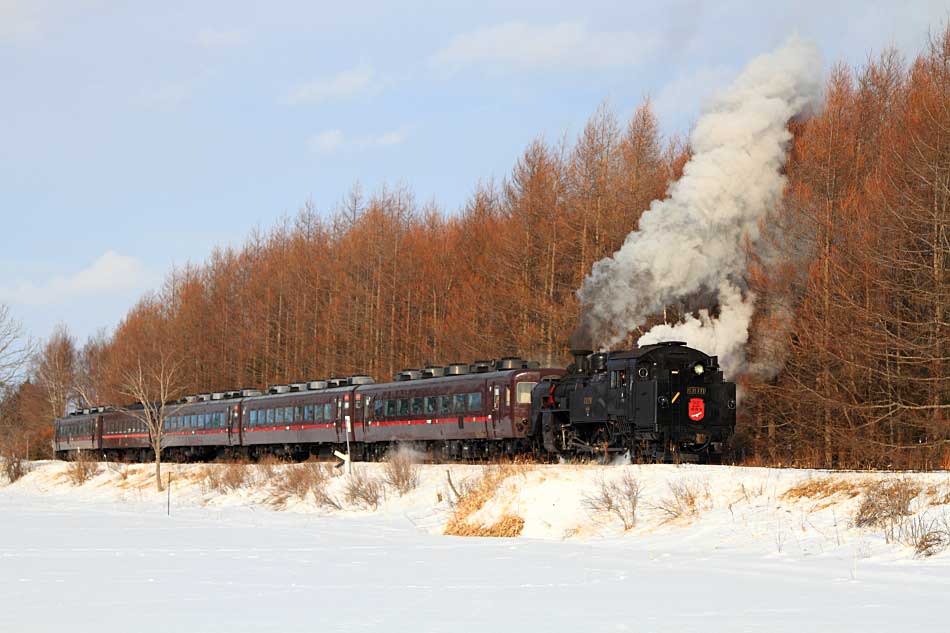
(580, 359)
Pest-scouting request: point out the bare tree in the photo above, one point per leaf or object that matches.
(55, 369)
(14, 348)
(154, 385)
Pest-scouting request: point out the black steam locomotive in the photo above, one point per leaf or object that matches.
(661, 402)
(665, 402)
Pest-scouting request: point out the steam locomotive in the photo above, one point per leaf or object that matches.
(661, 402)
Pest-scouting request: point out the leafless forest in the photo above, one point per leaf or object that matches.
(848, 349)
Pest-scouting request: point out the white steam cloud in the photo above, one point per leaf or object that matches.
(691, 242)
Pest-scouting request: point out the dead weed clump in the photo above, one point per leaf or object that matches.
(886, 502)
(684, 500)
(617, 498)
(822, 488)
(471, 496)
(305, 479)
(225, 478)
(14, 468)
(927, 536)
(402, 471)
(267, 467)
(363, 490)
(83, 468)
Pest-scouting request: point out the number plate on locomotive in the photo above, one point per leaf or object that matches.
(696, 391)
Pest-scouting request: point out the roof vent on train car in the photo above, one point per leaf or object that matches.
(336, 382)
(279, 389)
(433, 372)
(85, 411)
(218, 395)
(298, 386)
(361, 380)
(204, 397)
(456, 369)
(315, 385)
(509, 362)
(190, 398)
(250, 393)
(532, 364)
(481, 366)
(411, 374)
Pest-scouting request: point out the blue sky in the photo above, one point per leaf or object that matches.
(136, 136)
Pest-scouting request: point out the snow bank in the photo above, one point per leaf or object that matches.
(773, 511)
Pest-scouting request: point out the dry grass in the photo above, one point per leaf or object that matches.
(83, 468)
(886, 502)
(684, 500)
(267, 467)
(14, 468)
(822, 488)
(363, 490)
(224, 478)
(305, 479)
(402, 471)
(939, 494)
(472, 497)
(618, 498)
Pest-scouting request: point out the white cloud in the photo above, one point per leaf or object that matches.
(344, 85)
(570, 44)
(109, 274)
(19, 20)
(330, 141)
(221, 38)
(326, 141)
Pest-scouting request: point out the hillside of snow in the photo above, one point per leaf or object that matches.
(259, 548)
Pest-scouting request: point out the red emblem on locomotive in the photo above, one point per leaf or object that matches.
(697, 409)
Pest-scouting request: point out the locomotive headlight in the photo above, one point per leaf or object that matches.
(698, 369)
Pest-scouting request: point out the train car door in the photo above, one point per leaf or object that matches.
(234, 425)
(496, 393)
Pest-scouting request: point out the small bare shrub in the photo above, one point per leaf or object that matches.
(885, 503)
(362, 490)
(302, 479)
(618, 498)
(683, 501)
(14, 468)
(926, 536)
(224, 478)
(401, 472)
(83, 468)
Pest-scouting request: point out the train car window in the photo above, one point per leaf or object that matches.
(507, 396)
(252, 421)
(432, 404)
(318, 413)
(328, 412)
(445, 404)
(417, 405)
(379, 408)
(298, 414)
(390, 407)
(270, 416)
(403, 406)
(308, 413)
(280, 415)
(474, 402)
(288, 414)
(460, 403)
(523, 392)
(367, 406)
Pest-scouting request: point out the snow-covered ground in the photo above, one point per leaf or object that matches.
(105, 555)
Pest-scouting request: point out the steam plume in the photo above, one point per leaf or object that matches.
(691, 242)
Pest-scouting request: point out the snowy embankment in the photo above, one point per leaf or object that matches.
(263, 548)
(777, 511)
